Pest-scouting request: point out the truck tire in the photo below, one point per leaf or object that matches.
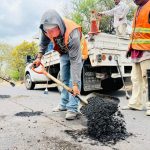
(82, 92)
(111, 84)
(28, 82)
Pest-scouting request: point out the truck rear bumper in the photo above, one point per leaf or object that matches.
(117, 75)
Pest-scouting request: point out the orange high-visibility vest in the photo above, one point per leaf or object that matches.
(140, 38)
(70, 26)
(84, 48)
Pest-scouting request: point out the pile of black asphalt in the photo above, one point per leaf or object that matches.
(105, 123)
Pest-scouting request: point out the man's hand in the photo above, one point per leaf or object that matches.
(120, 19)
(37, 61)
(75, 90)
(128, 53)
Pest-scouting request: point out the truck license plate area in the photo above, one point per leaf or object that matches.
(90, 82)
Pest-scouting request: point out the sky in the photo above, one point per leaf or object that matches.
(20, 19)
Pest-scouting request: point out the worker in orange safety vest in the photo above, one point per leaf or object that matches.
(139, 51)
(67, 39)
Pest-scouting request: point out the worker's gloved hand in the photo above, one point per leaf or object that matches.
(36, 63)
(128, 54)
(75, 90)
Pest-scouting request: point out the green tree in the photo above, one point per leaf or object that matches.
(18, 54)
(5, 57)
(81, 12)
(82, 9)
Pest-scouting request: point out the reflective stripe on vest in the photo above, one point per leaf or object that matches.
(141, 41)
(142, 30)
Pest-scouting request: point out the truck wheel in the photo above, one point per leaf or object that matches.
(28, 82)
(111, 84)
(82, 92)
(58, 86)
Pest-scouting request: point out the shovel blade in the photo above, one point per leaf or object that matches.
(86, 99)
(82, 99)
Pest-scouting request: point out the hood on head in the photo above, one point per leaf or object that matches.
(51, 17)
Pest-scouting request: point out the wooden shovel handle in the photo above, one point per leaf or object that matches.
(43, 71)
(59, 82)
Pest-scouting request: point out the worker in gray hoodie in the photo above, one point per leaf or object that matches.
(65, 35)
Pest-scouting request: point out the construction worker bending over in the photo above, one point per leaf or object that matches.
(119, 12)
(66, 37)
(139, 50)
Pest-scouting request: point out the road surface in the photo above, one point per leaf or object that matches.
(46, 131)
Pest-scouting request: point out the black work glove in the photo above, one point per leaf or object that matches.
(128, 54)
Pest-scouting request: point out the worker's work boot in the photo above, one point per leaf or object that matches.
(71, 115)
(59, 108)
(148, 113)
(148, 108)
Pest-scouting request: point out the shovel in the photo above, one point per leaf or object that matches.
(11, 83)
(83, 100)
(43, 71)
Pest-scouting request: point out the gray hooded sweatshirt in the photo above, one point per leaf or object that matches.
(51, 17)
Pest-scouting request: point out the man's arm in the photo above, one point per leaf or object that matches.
(108, 12)
(75, 56)
(125, 10)
(44, 41)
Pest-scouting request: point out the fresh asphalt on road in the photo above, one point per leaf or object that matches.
(46, 131)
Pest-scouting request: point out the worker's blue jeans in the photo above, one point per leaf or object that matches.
(67, 100)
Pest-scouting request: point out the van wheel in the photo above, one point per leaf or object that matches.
(28, 82)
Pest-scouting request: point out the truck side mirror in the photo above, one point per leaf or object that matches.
(29, 59)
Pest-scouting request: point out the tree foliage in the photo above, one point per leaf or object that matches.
(5, 56)
(18, 57)
(82, 9)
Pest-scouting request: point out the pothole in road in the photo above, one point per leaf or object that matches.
(29, 114)
(4, 96)
(105, 123)
(2, 116)
(60, 144)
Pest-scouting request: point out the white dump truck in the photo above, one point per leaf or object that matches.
(100, 70)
